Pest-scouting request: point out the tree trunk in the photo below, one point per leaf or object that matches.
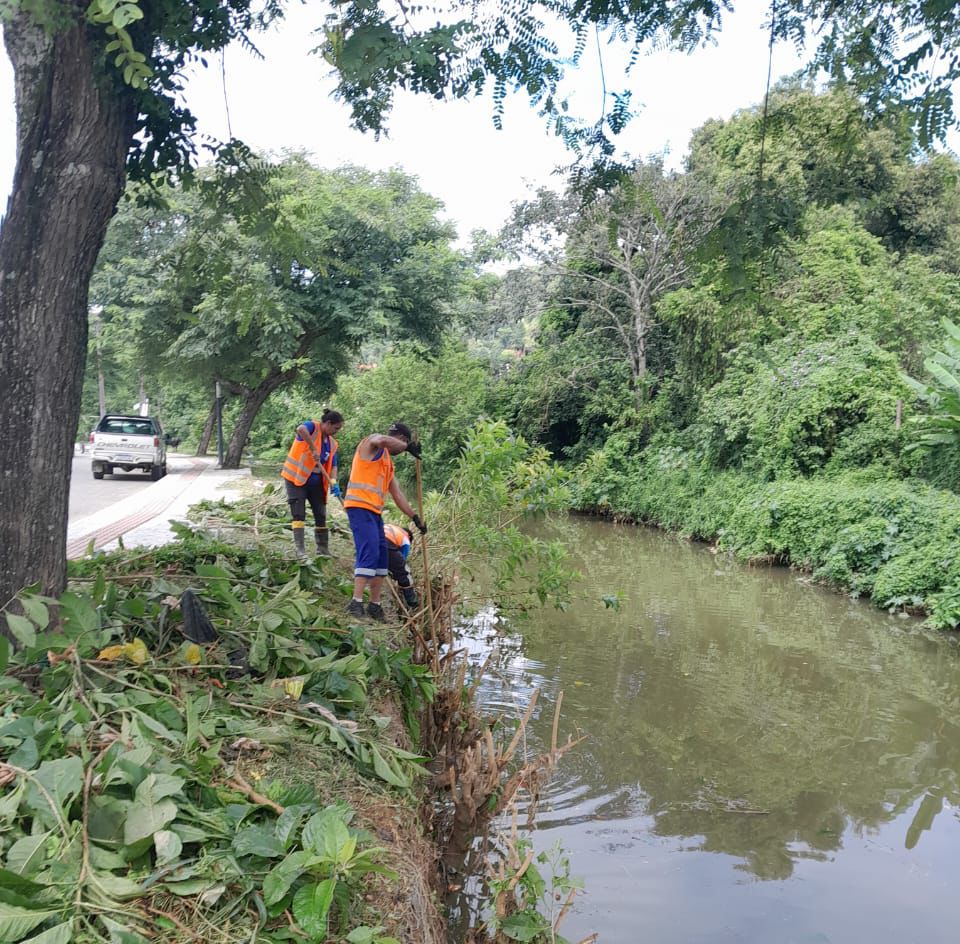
(204, 445)
(74, 128)
(252, 401)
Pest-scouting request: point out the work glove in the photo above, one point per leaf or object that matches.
(335, 490)
(415, 449)
(419, 524)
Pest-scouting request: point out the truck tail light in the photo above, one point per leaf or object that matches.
(91, 438)
(156, 440)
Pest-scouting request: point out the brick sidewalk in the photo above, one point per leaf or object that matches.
(143, 520)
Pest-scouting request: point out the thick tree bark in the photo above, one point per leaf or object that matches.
(204, 445)
(253, 399)
(74, 128)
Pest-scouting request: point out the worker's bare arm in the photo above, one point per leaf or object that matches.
(401, 500)
(373, 444)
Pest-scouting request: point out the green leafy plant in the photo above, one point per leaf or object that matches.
(528, 906)
(501, 481)
(116, 15)
(940, 426)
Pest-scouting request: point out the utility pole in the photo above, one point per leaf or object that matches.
(101, 386)
(219, 425)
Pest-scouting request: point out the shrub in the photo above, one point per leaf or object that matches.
(799, 408)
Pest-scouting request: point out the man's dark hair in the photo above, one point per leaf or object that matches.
(400, 429)
(331, 416)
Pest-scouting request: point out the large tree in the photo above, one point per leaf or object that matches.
(257, 297)
(97, 94)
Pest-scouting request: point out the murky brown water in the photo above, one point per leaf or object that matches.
(766, 761)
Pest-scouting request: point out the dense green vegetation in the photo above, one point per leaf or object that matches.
(766, 361)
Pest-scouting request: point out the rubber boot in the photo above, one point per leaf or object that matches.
(322, 537)
(298, 540)
(410, 597)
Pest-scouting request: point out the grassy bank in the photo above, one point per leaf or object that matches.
(263, 785)
(895, 541)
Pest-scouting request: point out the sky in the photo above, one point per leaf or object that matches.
(285, 102)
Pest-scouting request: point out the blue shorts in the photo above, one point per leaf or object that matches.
(370, 543)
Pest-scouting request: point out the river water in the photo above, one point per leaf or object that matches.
(765, 761)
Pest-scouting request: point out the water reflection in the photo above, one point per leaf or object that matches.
(756, 747)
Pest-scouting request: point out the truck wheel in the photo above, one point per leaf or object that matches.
(156, 472)
(108, 470)
(163, 471)
(98, 471)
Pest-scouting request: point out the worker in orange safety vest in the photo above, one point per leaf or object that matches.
(398, 550)
(371, 480)
(312, 453)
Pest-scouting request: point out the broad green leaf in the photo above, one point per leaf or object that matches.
(26, 856)
(17, 922)
(14, 883)
(151, 724)
(368, 935)
(385, 771)
(79, 615)
(143, 820)
(289, 821)
(105, 859)
(311, 906)
(188, 887)
(106, 819)
(189, 833)
(26, 755)
(278, 880)
(59, 934)
(62, 780)
(346, 851)
(22, 629)
(151, 810)
(37, 611)
(120, 933)
(325, 832)
(524, 926)
(10, 801)
(117, 886)
(159, 786)
(258, 840)
(168, 845)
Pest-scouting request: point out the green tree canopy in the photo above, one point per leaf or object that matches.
(258, 296)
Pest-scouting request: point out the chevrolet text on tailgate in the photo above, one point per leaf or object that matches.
(128, 443)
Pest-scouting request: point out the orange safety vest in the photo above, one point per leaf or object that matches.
(369, 481)
(299, 464)
(396, 535)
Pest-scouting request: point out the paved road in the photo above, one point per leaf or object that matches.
(88, 495)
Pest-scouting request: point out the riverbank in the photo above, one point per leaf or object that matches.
(894, 541)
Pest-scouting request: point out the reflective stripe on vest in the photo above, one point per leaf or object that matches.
(396, 535)
(299, 464)
(369, 481)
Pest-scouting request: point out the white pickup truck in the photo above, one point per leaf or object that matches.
(128, 443)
